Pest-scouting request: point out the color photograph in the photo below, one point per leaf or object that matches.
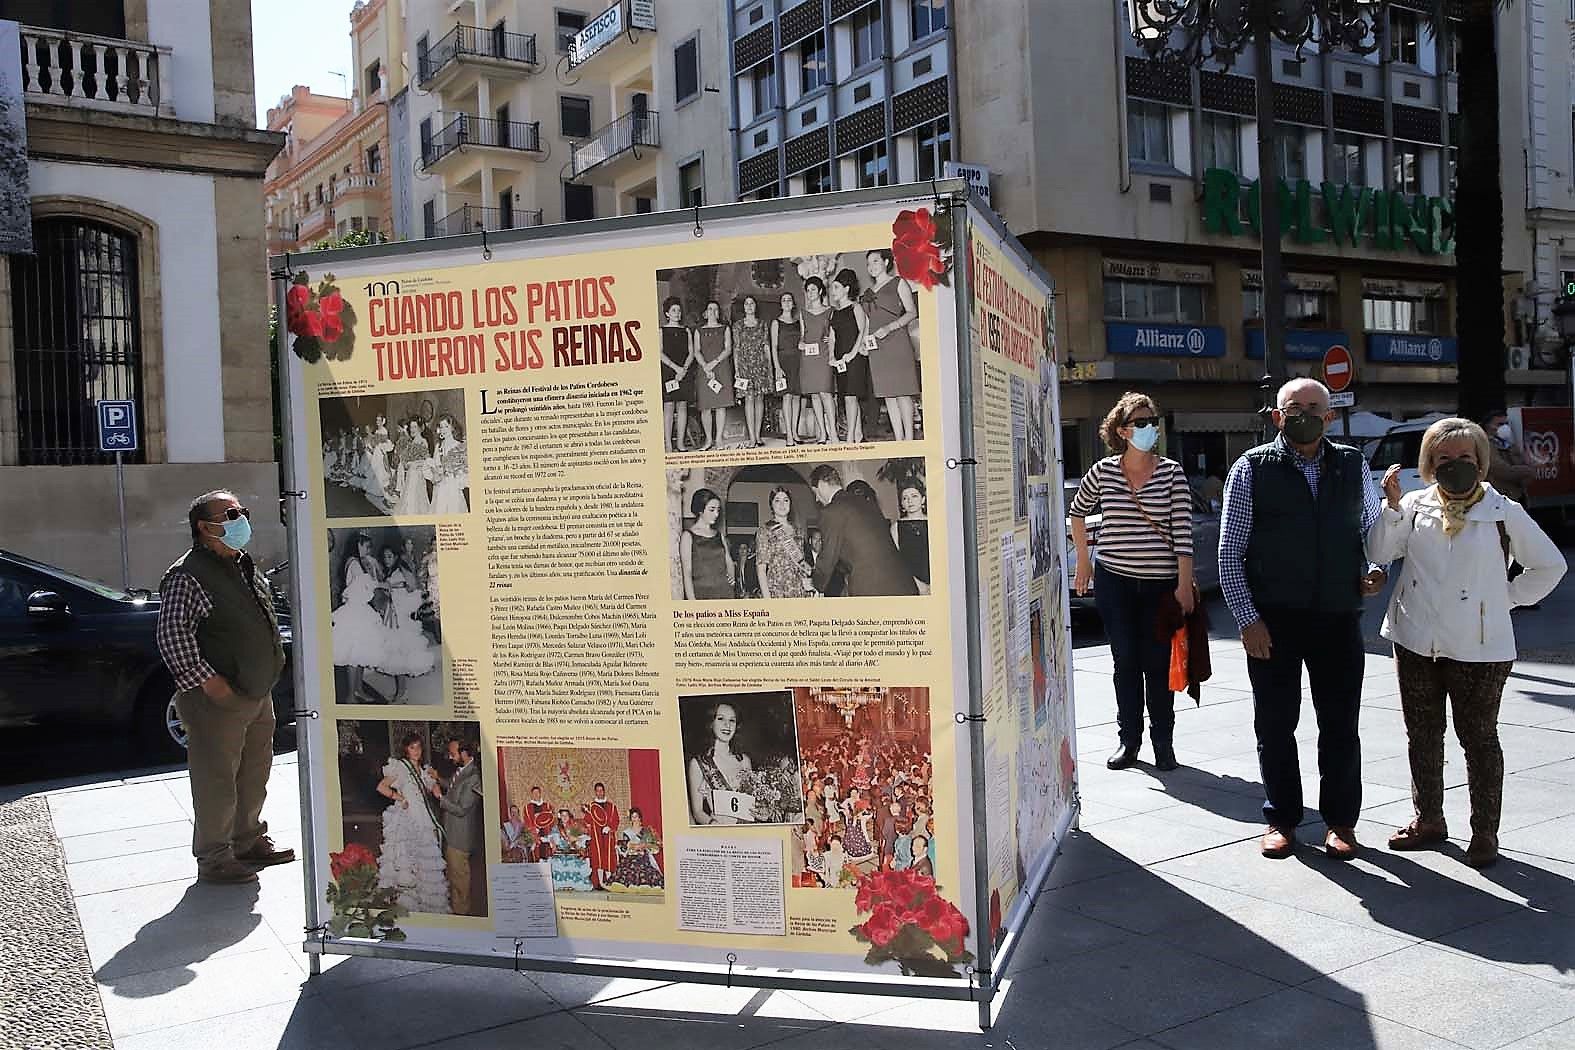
(864, 755)
(594, 815)
(411, 797)
(387, 630)
(400, 454)
(741, 758)
(817, 349)
(816, 529)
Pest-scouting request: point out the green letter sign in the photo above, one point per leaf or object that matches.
(1388, 221)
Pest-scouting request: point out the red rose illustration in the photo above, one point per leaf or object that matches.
(297, 297)
(333, 328)
(918, 258)
(351, 857)
(914, 225)
(331, 304)
(883, 925)
(308, 322)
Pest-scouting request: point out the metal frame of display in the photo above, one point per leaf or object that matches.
(982, 981)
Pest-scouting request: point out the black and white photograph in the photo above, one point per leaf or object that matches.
(1038, 451)
(1043, 536)
(387, 631)
(16, 214)
(808, 350)
(400, 454)
(741, 763)
(412, 794)
(813, 529)
(1019, 396)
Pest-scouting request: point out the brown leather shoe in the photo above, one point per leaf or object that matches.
(264, 853)
(1340, 843)
(225, 871)
(1278, 843)
(1419, 834)
(1483, 851)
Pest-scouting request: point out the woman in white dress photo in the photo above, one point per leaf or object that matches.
(379, 478)
(412, 469)
(411, 859)
(720, 767)
(450, 471)
(407, 650)
(360, 636)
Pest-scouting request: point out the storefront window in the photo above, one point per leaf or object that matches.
(1302, 309)
(1388, 314)
(1153, 301)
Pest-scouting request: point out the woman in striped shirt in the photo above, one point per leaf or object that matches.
(1145, 553)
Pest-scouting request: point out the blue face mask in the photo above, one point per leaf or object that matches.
(237, 533)
(1145, 438)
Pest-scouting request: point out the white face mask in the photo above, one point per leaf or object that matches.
(1504, 434)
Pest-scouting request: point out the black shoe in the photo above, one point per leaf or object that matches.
(1123, 757)
(1165, 758)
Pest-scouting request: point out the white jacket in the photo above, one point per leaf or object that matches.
(1453, 597)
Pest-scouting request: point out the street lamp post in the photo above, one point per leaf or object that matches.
(1199, 32)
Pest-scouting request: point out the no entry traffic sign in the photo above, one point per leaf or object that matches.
(1338, 370)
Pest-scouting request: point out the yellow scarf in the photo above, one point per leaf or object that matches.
(1455, 509)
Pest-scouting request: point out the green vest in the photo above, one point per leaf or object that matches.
(1306, 554)
(239, 638)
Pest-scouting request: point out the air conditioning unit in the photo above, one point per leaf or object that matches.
(1519, 358)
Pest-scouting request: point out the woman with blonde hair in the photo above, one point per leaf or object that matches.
(1450, 624)
(1145, 554)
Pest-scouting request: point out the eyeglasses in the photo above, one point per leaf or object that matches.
(1143, 421)
(231, 514)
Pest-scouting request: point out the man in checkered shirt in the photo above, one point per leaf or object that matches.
(1294, 570)
(220, 640)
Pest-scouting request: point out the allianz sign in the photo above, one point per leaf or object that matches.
(1165, 340)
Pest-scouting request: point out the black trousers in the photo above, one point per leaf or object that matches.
(1129, 607)
(1330, 646)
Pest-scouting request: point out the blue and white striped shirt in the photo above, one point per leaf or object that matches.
(1236, 527)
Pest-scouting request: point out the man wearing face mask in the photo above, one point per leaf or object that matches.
(1294, 573)
(219, 638)
(1509, 472)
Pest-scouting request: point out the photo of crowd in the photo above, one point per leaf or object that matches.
(411, 793)
(864, 755)
(395, 454)
(741, 758)
(819, 349)
(799, 530)
(1043, 536)
(387, 630)
(593, 815)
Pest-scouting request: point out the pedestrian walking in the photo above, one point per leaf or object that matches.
(1145, 554)
(1450, 624)
(1294, 572)
(219, 637)
(1508, 472)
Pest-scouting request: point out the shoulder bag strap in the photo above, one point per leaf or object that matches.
(1163, 534)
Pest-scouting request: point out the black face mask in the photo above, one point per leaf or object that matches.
(1303, 429)
(1457, 477)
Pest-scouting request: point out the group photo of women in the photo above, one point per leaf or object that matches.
(810, 350)
(395, 454)
(592, 815)
(411, 792)
(387, 634)
(864, 756)
(741, 758)
(799, 530)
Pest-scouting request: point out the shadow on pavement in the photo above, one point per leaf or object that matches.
(205, 921)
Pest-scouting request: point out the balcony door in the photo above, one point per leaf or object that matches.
(503, 137)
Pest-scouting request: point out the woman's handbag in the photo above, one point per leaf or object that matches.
(1179, 626)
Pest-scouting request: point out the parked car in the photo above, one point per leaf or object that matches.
(74, 651)
(1205, 547)
(1402, 445)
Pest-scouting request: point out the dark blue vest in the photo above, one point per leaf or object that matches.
(1306, 554)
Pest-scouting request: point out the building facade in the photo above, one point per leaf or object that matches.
(1134, 184)
(147, 282)
(1550, 167)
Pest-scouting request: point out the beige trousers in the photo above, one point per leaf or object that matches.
(458, 880)
(230, 754)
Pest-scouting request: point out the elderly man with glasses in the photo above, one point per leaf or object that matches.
(219, 638)
(1294, 570)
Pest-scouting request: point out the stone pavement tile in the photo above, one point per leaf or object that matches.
(1553, 772)
(1526, 802)
(126, 842)
(1551, 838)
(1543, 884)
(1149, 838)
(1296, 1020)
(1450, 995)
(428, 1005)
(179, 792)
(571, 990)
(174, 864)
(701, 1017)
(1527, 748)
(1215, 741)
(1138, 789)
(1150, 990)
(201, 990)
(1559, 1037)
(1027, 1014)
(1538, 944)
(1279, 942)
(1082, 858)
(113, 808)
(1141, 902)
(306, 1024)
(1054, 933)
(342, 972)
(1392, 893)
(1205, 807)
(1097, 812)
(559, 1031)
(169, 925)
(1395, 772)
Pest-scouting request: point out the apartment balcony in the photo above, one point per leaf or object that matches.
(359, 184)
(623, 138)
(472, 218)
(467, 49)
(466, 131)
(84, 71)
(315, 224)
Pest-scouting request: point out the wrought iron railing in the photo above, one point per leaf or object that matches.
(466, 130)
(630, 131)
(472, 218)
(463, 42)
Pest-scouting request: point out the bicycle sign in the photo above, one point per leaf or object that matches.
(117, 426)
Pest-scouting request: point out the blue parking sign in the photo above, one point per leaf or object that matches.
(117, 426)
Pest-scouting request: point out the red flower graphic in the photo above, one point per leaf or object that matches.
(908, 922)
(331, 304)
(883, 925)
(297, 297)
(351, 857)
(915, 248)
(333, 328)
(308, 322)
(321, 321)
